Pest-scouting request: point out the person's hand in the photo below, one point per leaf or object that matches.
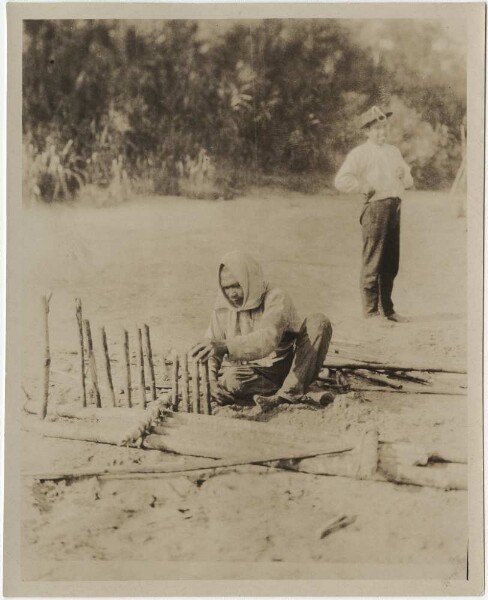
(219, 394)
(207, 348)
(400, 172)
(369, 193)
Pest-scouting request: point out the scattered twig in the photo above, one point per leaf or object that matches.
(335, 524)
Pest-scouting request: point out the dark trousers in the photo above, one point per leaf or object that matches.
(380, 221)
(289, 377)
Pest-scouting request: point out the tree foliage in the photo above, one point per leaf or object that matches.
(273, 96)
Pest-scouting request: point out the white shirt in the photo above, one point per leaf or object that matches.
(374, 166)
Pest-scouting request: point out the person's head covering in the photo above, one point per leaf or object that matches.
(373, 115)
(248, 273)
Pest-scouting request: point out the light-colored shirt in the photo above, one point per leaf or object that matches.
(374, 166)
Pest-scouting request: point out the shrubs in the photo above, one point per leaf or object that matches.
(165, 111)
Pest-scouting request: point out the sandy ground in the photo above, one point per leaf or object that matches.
(153, 261)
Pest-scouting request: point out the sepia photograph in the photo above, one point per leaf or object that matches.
(244, 299)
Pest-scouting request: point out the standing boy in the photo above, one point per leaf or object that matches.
(377, 170)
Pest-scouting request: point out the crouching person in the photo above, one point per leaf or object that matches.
(256, 345)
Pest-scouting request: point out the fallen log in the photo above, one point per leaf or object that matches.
(325, 464)
(449, 477)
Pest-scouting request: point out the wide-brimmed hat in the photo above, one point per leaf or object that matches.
(372, 115)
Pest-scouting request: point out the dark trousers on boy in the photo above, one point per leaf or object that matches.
(380, 222)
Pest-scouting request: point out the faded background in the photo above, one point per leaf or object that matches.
(206, 108)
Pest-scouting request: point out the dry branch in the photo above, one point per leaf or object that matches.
(107, 366)
(79, 318)
(378, 366)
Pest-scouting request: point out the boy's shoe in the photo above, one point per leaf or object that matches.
(396, 318)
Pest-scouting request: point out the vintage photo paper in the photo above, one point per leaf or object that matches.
(244, 299)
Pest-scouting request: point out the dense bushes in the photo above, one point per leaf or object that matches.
(173, 111)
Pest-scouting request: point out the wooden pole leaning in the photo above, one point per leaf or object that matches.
(141, 366)
(107, 366)
(195, 387)
(150, 362)
(185, 381)
(79, 318)
(92, 363)
(127, 369)
(174, 382)
(205, 384)
(47, 357)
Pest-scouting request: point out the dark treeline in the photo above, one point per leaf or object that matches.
(278, 98)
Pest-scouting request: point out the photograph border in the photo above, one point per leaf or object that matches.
(188, 579)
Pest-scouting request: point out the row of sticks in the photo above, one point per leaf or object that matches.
(200, 395)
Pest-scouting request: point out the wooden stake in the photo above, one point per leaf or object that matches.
(141, 363)
(47, 357)
(174, 382)
(107, 366)
(127, 367)
(150, 362)
(79, 318)
(205, 388)
(185, 391)
(92, 363)
(195, 387)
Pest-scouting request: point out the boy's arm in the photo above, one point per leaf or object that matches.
(347, 179)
